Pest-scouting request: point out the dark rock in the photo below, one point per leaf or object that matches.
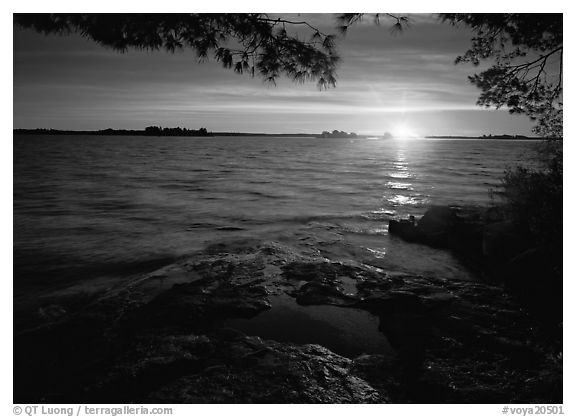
(239, 370)
(530, 271)
(163, 340)
(277, 373)
(493, 214)
(404, 228)
(383, 372)
(437, 222)
(191, 304)
(502, 241)
(496, 250)
(440, 227)
(324, 282)
(307, 271)
(538, 285)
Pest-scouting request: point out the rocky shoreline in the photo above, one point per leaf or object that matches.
(499, 250)
(166, 338)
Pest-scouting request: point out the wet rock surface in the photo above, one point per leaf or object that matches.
(164, 338)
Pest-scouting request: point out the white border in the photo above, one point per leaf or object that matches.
(303, 6)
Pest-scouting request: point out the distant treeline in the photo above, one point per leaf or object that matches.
(486, 137)
(154, 131)
(149, 131)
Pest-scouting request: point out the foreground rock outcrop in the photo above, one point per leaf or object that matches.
(166, 337)
(498, 249)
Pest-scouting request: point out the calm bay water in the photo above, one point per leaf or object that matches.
(90, 210)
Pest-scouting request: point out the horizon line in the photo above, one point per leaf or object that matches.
(216, 133)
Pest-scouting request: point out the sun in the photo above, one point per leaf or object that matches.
(403, 131)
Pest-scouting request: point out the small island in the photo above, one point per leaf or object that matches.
(337, 134)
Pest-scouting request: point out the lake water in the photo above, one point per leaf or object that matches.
(92, 210)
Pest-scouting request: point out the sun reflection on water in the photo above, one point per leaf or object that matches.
(403, 200)
(400, 175)
(399, 185)
(401, 171)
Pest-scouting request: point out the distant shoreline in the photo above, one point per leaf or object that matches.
(203, 133)
(489, 137)
(126, 132)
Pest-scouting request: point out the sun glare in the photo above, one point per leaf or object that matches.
(403, 131)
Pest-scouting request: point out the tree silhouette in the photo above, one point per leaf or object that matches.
(252, 43)
(526, 75)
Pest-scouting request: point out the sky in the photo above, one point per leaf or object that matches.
(405, 84)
